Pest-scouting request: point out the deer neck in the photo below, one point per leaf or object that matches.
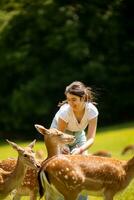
(52, 148)
(15, 177)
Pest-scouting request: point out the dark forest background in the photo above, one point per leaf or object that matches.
(47, 44)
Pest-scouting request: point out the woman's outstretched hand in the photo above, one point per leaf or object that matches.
(76, 151)
(65, 150)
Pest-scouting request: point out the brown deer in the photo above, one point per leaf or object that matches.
(129, 148)
(9, 180)
(29, 186)
(102, 153)
(69, 175)
(54, 141)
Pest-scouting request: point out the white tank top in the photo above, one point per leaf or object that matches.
(66, 113)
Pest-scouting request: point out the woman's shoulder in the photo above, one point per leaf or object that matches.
(91, 107)
(64, 112)
(64, 107)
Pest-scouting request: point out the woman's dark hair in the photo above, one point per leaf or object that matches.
(81, 90)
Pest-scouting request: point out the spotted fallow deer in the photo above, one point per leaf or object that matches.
(102, 153)
(70, 175)
(9, 180)
(54, 141)
(29, 185)
(129, 148)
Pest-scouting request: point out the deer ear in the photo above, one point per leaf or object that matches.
(31, 145)
(41, 129)
(15, 146)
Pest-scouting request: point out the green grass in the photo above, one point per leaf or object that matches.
(112, 139)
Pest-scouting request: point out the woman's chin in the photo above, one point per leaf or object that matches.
(74, 109)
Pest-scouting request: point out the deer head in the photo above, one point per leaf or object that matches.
(54, 135)
(10, 180)
(26, 154)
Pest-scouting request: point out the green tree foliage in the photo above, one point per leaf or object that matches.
(45, 44)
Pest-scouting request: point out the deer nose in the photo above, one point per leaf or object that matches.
(36, 126)
(38, 165)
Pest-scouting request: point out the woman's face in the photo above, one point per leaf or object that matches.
(76, 102)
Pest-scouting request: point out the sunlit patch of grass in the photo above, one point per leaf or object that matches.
(114, 141)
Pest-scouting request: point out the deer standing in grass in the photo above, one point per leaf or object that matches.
(11, 180)
(129, 148)
(54, 141)
(29, 185)
(69, 175)
(102, 153)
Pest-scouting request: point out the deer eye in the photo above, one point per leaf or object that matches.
(60, 136)
(25, 155)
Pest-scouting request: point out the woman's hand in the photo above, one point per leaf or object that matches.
(65, 150)
(77, 151)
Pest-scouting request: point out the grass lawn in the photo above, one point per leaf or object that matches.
(112, 139)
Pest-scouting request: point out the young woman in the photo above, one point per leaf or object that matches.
(77, 114)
